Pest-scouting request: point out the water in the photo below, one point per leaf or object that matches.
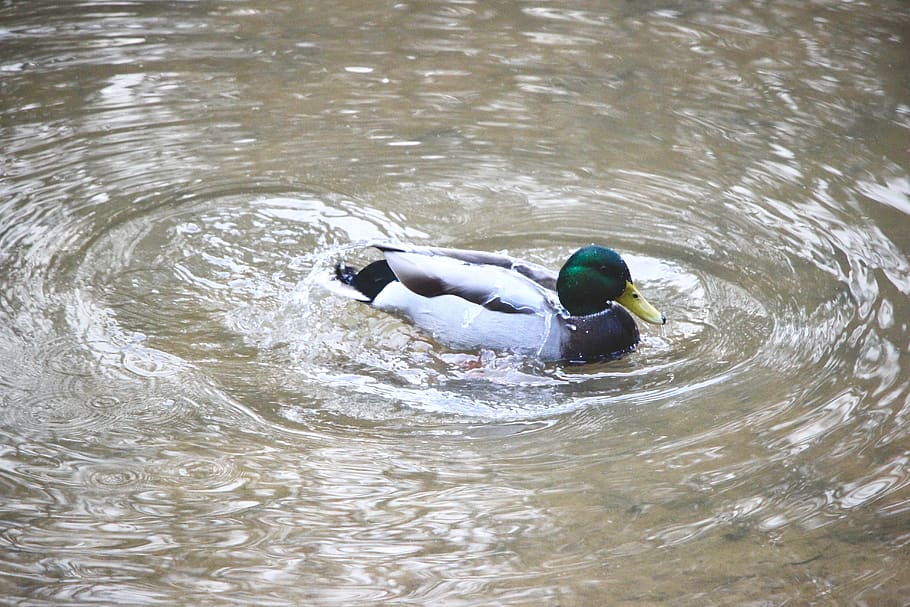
(188, 417)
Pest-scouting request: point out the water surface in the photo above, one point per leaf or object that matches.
(188, 417)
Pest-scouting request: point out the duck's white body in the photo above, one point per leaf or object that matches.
(464, 325)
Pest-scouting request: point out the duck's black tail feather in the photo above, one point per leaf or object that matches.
(370, 280)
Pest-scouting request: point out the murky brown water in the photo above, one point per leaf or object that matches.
(187, 417)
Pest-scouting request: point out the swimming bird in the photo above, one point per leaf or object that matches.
(473, 299)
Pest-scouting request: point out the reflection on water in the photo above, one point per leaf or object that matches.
(186, 415)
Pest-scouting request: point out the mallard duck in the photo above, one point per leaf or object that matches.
(473, 299)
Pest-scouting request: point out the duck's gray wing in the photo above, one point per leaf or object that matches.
(491, 285)
(543, 276)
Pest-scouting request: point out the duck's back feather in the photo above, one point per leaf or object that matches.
(543, 276)
(491, 286)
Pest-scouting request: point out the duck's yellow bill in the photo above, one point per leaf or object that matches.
(632, 300)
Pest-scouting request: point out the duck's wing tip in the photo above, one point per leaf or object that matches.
(332, 284)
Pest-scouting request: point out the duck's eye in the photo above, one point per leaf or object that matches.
(635, 295)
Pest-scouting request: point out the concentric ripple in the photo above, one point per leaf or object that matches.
(193, 282)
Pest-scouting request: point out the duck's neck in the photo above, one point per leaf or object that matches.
(609, 334)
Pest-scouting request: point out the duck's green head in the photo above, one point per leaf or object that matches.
(593, 277)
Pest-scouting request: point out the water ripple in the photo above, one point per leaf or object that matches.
(186, 412)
